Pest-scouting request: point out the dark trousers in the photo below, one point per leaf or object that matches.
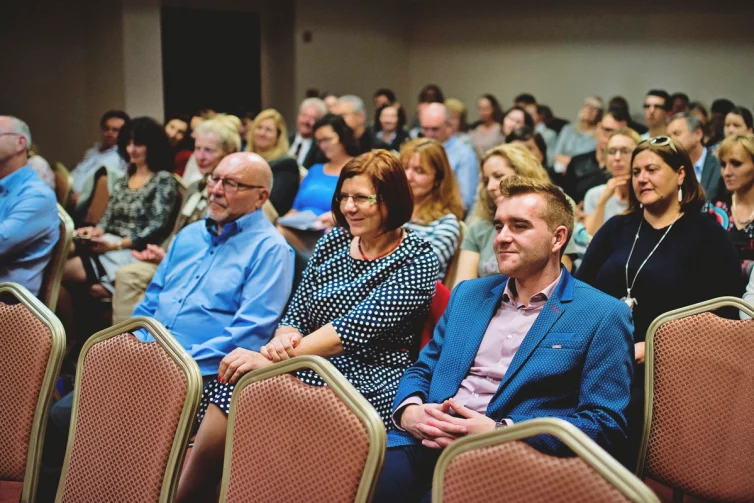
(407, 475)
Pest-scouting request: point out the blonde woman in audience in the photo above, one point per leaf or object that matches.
(603, 202)
(488, 132)
(580, 138)
(368, 268)
(477, 258)
(735, 210)
(213, 140)
(268, 137)
(437, 201)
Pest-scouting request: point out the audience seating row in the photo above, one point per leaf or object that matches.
(135, 404)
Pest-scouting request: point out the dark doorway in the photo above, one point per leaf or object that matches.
(210, 59)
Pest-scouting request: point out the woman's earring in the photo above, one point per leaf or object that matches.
(680, 194)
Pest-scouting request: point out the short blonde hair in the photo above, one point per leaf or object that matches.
(558, 210)
(521, 161)
(745, 140)
(628, 133)
(225, 132)
(281, 145)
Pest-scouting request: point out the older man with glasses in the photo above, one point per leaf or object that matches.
(28, 210)
(223, 284)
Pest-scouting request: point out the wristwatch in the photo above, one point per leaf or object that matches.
(500, 424)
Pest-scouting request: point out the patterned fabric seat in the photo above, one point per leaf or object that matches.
(32, 341)
(483, 468)
(328, 440)
(133, 408)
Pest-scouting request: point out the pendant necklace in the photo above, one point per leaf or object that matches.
(630, 301)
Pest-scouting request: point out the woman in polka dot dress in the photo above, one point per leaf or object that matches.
(361, 303)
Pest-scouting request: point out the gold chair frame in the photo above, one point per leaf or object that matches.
(56, 269)
(44, 401)
(593, 455)
(649, 360)
(193, 395)
(344, 390)
(65, 196)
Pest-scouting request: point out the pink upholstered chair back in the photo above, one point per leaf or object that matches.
(133, 410)
(327, 440)
(32, 342)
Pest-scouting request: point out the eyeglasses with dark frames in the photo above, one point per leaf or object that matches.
(230, 186)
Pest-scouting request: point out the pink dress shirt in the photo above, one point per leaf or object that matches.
(501, 340)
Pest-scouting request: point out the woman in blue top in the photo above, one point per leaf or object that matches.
(315, 193)
(361, 304)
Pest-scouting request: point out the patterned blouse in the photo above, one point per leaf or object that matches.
(376, 306)
(443, 234)
(143, 214)
(742, 239)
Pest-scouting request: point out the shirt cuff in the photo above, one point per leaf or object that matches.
(412, 400)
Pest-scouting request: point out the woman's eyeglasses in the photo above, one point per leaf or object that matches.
(360, 200)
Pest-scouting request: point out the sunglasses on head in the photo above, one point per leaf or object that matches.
(660, 141)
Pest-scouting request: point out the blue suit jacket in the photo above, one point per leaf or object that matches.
(586, 381)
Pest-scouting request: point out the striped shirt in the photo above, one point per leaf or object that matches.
(443, 234)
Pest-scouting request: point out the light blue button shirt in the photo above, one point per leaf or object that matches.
(216, 293)
(29, 228)
(465, 166)
(699, 166)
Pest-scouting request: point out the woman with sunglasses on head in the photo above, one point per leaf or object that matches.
(361, 304)
(652, 255)
(438, 209)
(664, 253)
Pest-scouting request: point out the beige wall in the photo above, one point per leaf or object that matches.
(356, 48)
(71, 61)
(561, 56)
(60, 71)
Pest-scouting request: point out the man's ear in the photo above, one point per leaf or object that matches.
(559, 238)
(699, 134)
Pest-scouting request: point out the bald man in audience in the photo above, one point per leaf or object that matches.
(28, 210)
(435, 124)
(223, 284)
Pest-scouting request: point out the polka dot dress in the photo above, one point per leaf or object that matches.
(376, 306)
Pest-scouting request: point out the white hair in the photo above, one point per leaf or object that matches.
(316, 103)
(21, 128)
(356, 103)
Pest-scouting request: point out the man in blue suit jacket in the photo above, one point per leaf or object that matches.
(533, 342)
